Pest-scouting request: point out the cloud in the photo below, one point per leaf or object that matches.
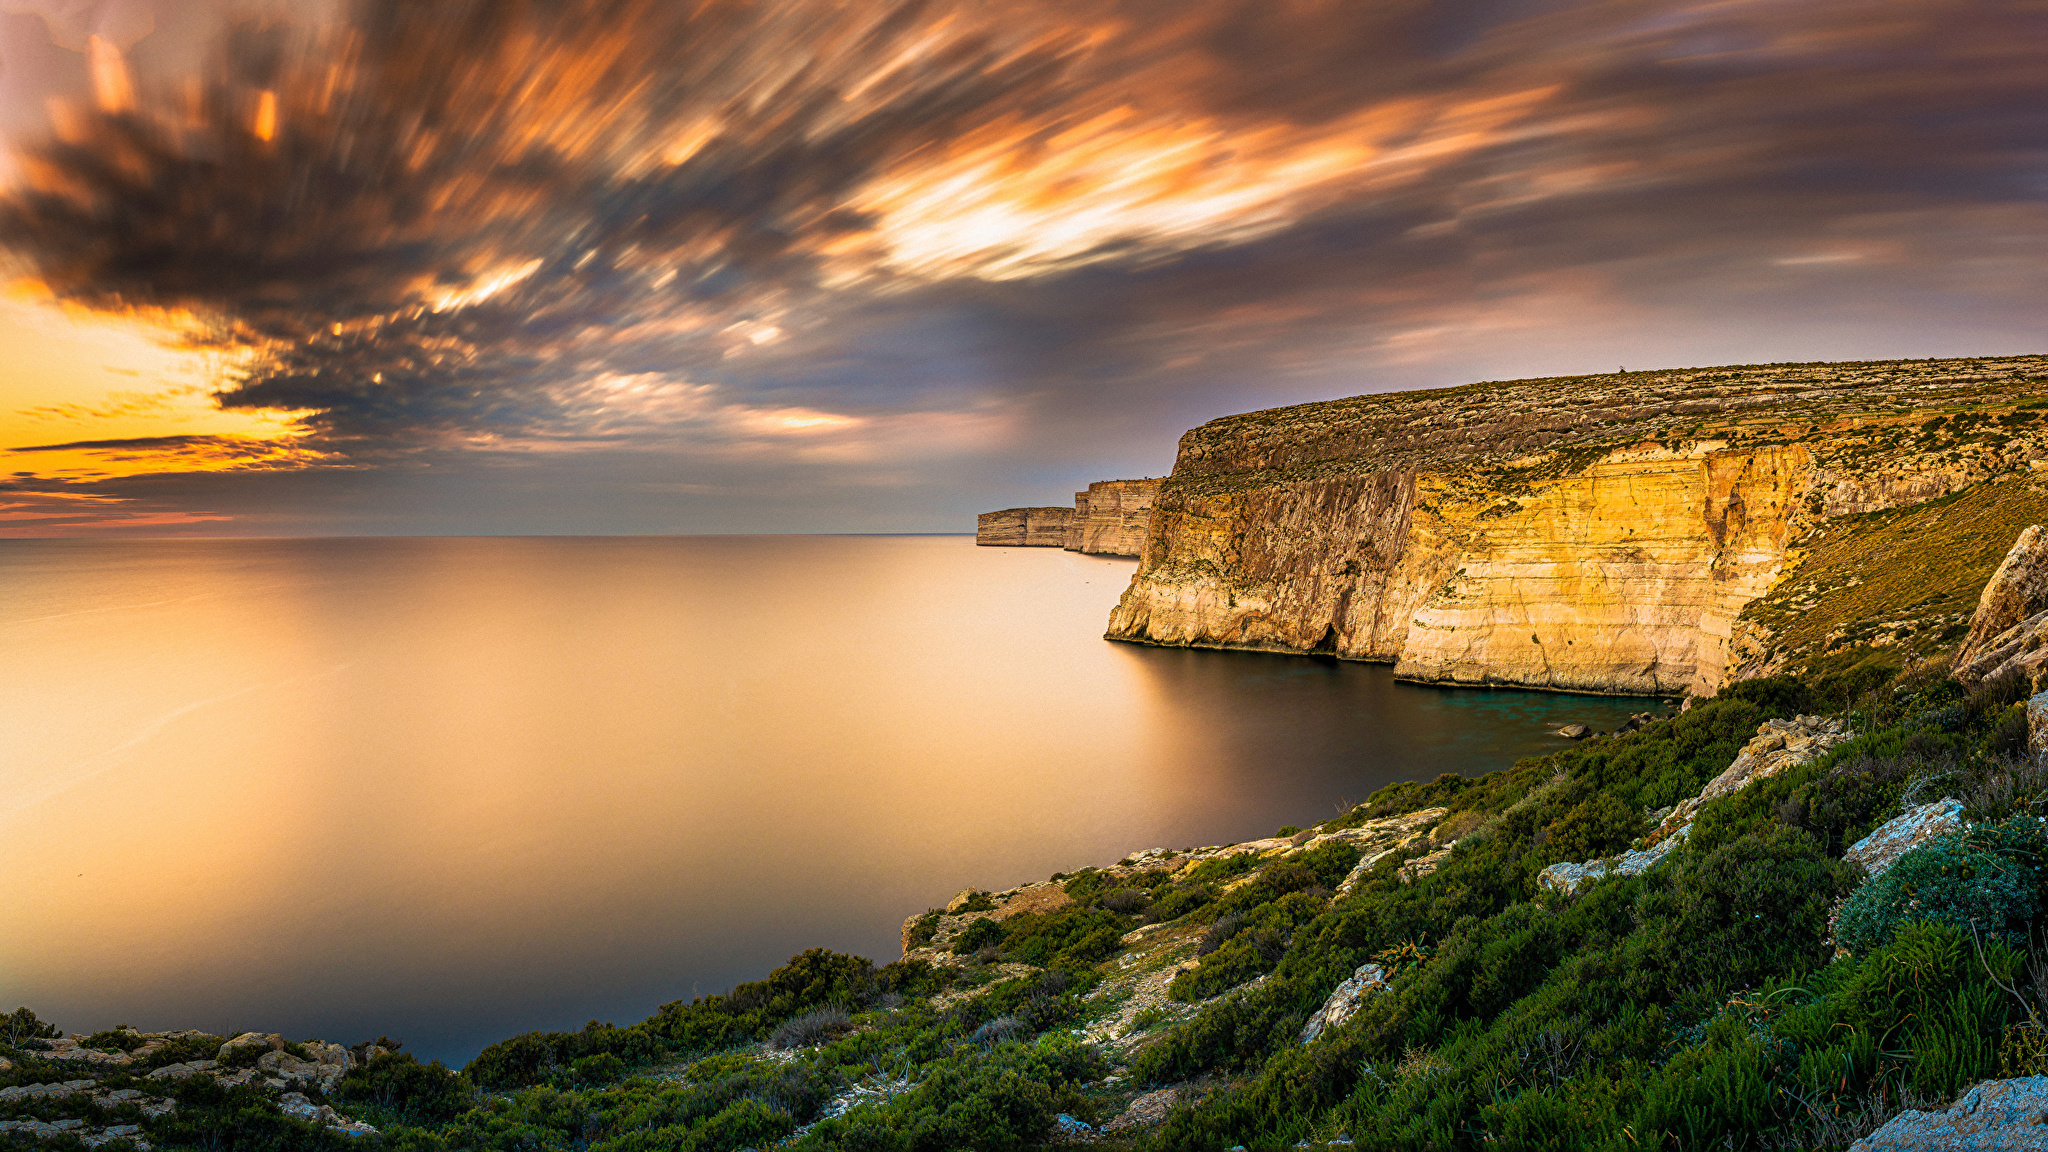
(938, 232)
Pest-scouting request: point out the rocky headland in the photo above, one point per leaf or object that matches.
(1647, 532)
(1109, 518)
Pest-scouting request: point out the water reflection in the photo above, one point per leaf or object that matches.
(453, 789)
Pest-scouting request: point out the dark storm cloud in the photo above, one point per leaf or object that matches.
(843, 233)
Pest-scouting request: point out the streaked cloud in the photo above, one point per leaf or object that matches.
(890, 245)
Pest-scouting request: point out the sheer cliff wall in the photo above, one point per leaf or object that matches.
(1023, 527)
(1112, 516)
(1602, 534)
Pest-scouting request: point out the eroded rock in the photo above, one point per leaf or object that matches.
(1877, 852)
(1995, 1116)
(1146, 1111)
(1344, 1000)
(2017, 591)
(296, 1106)
(1569, 878)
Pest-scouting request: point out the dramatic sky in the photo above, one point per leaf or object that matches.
(868, 265)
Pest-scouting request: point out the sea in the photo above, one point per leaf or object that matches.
(453, 789)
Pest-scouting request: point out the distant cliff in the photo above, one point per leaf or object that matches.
(1647, 532)
(1111, 517)
(1023, 527)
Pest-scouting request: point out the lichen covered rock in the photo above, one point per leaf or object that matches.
(1877, 852)
(1995, 1116)
(1344, 1000)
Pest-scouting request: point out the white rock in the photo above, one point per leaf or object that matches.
(1569, 878)
(1881, 849)
(1995, 1116)
(1344, 1000)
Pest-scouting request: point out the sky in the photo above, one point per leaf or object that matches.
(617, 266)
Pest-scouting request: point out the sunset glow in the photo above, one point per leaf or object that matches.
(415, 240)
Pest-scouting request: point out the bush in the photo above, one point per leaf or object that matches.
(1219, 933)
(1984, 880)
(921, 932)
(1595, 827)
(1748, 910)
(980, 934)
(21, 1025)
(1125, 900)
(401, 1085)
(813, 1027)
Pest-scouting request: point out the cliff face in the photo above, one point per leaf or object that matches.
(1023, 527)
(1111, 517)
(1601, 534)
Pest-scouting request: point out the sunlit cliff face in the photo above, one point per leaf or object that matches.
(871, 239)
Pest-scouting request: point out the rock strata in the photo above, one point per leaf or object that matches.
(1995, 1116)
(1598, 534)
(1023, 528)
(1111, 517)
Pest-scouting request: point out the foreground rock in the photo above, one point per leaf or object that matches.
(262, 1060)
(1345, 1000)
(1023, 528)
(2016, 595)
(1877, 852)
(1995, 1116)
(1778, 745)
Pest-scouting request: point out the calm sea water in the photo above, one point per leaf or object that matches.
(456, 789)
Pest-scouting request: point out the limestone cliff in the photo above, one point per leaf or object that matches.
(1602, 534)
(1023, 527)
(1111, 517)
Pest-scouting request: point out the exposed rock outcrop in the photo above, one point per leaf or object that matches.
(1570, 877)
(1596, 533)
(1112, 516)
(2016, 592)
(1344, 1000)
(1995, 1116)
(1777, 746)
(1877, 852)
(1023, 528)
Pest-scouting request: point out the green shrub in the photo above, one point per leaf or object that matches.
(1598, 826)
(922, 931)
(119, 1038)
(22, 1025)
(982, 933)
(1747, 911)
(402, 1086)
(1986, 879)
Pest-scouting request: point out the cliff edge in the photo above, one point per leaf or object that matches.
(1646, 532)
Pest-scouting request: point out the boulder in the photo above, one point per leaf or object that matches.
(1881, 849)
(261, 1041)
(1777, 745)
(2037, 723)
(1575, 731)
(1995, 1116)
(1145, 1110)
(2016, 592)
(1344, 1000)
(296, 1106)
